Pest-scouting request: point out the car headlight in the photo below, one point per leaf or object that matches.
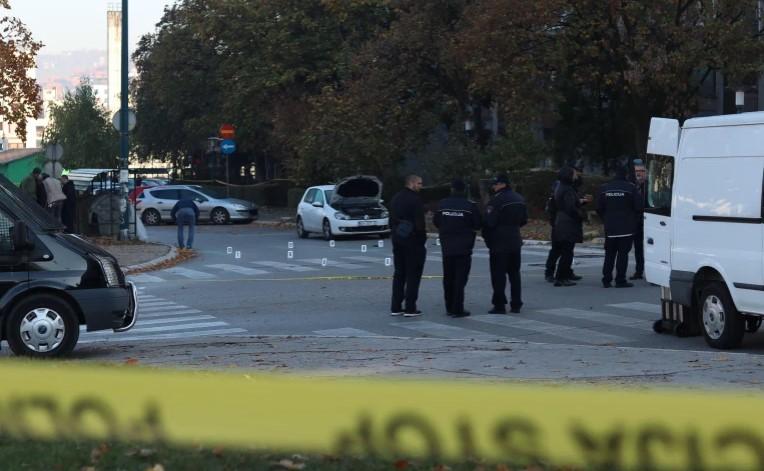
(110, 271)
(240, 207)
(343, 216)
(384, 214)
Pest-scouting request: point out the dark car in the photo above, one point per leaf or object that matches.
(52, 282)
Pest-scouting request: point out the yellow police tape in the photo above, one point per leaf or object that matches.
(393, 418)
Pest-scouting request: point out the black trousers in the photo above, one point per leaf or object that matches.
(639, 250)
(409, 264)
(616, 253)
(565, 267)
(456, 272)
(505, 265)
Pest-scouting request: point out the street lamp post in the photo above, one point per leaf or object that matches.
(124, 173)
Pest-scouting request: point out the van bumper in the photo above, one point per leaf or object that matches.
(108, 308)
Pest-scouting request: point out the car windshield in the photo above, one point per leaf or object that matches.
(328, 194)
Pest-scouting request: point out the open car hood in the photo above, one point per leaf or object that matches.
(357, 190)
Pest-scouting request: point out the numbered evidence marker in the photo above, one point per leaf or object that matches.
(381, 244)
(290, 254)
(388, 262)
(290, 245)
(363, 248)
(331, 243)
(229, 250)
(323, 262)
(238, 254)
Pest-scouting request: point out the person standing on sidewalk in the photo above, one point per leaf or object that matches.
(640, 181)
(505, 214)
(457, 220)
(185, 212)
(69, 211)
(409, 235)
(54, 193)
(568, 224)
(618, 204)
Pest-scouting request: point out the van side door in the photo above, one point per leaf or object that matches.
(657, 243)
(12, 271)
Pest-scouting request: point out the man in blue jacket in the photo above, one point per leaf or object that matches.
(185, 212)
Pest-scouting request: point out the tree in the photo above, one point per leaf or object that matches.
(19, 93)
(82, 126)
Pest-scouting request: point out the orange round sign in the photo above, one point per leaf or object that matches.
(227, 131)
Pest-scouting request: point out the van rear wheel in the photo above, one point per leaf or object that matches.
(42, 326)
(723, 325)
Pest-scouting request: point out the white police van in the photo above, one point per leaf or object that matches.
(704, 231)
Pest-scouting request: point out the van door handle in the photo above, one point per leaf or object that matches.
(650, 241)
(663, 223)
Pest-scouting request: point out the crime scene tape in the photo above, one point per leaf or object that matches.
(586, 427)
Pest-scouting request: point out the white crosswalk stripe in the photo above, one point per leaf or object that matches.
(366, 259)
(238, 269)
(284, 266)
(333, 263)
(642, 307)
(188, 273)
(144, 278)
(436, 329)
(574, 334)
(182, 311)
(434, 258)
(602, 318)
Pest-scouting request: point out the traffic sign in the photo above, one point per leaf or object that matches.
(228, 147)
(227, 131)
(116, 120)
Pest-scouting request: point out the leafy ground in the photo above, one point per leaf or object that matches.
(89, 456)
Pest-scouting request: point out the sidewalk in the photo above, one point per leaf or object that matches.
(133, 256)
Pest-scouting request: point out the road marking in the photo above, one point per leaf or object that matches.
(143, 278)
(480, 255)
(436, 329)
(141, 315)
(366, 259)
(602, 318)
(636, 306)
(284, 266)
(178, 335)
(333, 263)
(141, 330)
(153, 303)
(170, 320)
(147, 309)
(237, 269)
(434, 258)
(344, 332)
(188, 273)
(575, 334)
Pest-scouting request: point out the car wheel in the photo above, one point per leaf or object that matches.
(723, 326)
(219, 216)
(326, 230)
(151, 217)
(42, 326)
(301, 232)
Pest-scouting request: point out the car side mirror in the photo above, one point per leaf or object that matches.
(318, 204)
(22, 240)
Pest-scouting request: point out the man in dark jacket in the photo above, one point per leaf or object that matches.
(568, 224)
(505, 214)
(618, 204)
(409, 236)
(554, 251)
(457, 219)
(69, 210)
(640, 181)
(185, 212)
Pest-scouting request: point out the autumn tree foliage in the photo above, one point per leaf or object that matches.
(19, 94)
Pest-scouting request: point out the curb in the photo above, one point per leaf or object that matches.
(173, 253)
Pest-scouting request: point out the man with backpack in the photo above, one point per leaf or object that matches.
(409, 236)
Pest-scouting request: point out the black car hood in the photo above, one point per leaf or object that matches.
(357, 190)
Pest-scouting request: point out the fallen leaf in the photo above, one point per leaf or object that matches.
(441, 467)
(132, 361)
(502, 467)
(88, 468)
(218, 451)
(289, 464)
(156, 467)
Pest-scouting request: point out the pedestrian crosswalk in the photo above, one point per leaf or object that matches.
(560, 325)
(161, 319)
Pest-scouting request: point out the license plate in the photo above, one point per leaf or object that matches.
(367, 223)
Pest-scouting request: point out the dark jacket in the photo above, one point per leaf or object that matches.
(568, 225)
(642, 189)
(406, 205)
(69, 210)
(505, 214)
(618, 204)
(182, 204)
(457, 219)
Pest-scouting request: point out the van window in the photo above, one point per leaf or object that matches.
(6, 242)
(660, 182)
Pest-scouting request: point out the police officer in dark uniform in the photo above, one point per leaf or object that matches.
(618, 204)
(457, 220)
(505, 214)
(409, 236)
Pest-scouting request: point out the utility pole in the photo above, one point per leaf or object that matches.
(124, 173)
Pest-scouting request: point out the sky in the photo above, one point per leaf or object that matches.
(70, 25)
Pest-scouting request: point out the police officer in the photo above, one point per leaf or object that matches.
(568, 223)
(409, 236)
(618, 205)
(505, 214)
(457, 220)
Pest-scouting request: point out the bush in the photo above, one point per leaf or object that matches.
(293, 197)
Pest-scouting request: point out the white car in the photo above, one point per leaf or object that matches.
(351, 207)
(155, 204)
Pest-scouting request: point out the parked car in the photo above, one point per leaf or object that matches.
(351, 207)
(155, 205)
(52, 282)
